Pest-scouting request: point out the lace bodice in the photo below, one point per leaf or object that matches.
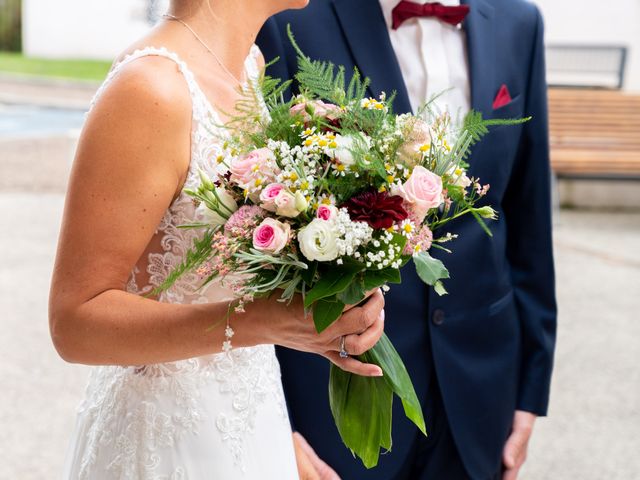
(134, 417)
(169, 244)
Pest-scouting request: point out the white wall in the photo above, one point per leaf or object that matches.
(102, 28)
(594, 22)
(97, 29)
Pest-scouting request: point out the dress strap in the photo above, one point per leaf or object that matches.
(251, 63)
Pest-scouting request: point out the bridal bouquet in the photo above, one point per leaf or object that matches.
(329, 195)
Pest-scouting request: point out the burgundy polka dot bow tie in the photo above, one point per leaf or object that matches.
(405, 10)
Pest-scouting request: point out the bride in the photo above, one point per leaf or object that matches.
(164, 401)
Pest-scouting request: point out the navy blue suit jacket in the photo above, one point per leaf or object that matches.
(490, 341)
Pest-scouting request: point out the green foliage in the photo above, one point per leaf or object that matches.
(478, 127)
(431, 271)
(385, 355)
(321, 80)
(355, 291)
(481, 222)
(377, 278)
(326, 311)
(362, 406)
(332, 281)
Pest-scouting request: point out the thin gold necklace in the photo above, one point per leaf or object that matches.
(226, 70)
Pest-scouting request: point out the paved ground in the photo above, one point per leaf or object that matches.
(592, 434)
(49, 92)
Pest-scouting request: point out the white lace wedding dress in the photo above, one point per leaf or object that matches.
(217, 417)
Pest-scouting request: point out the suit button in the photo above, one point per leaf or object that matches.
(438, 317)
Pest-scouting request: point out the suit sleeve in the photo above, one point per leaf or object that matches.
(527, 209)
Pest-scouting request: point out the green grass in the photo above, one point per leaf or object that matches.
(72, 69)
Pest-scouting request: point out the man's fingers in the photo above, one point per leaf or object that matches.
(306, 470)
(511, 474)
(325, 472)
(515, 449)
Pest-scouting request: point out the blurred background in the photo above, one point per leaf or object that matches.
(53, 55)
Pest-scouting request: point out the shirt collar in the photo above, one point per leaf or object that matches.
(389, 5)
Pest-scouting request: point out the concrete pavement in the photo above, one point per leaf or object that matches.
(592, 432)
(46, 92)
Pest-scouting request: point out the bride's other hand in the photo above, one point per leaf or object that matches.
(287, 325)
(310, 466)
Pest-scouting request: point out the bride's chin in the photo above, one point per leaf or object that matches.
(295, 4)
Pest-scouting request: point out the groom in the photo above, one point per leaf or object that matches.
(480, 357)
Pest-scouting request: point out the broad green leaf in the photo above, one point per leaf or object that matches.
(309, 274)
(354, 293)
(430, 270)
(439, 288)
(326, 311)
(361, 408)
(385, 414)
(395, 374)
(376, 278)
(331, 282)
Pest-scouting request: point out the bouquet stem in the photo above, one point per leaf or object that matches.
(362, 406)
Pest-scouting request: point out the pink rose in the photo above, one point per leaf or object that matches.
(271, 236)
(327, 212)
(269, 194)
(256, 164)
(320, 109)
(422, 192)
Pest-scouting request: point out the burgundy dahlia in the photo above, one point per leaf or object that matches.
(378, 209)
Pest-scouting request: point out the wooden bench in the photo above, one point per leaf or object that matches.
(594, 133)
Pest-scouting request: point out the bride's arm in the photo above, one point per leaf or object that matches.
(131, 162)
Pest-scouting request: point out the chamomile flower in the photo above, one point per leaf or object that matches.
(407, 228)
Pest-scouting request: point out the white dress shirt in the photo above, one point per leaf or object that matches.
(433, 59)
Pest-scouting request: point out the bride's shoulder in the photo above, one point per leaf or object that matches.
(144, 102)
(146, 81)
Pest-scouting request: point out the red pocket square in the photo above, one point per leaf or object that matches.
(502, 98)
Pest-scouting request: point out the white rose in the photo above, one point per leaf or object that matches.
(318, 241)
(344, 151)
(346, 144)
(286, 204)
(225, 206)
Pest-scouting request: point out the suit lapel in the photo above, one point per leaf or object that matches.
(364, 28)
(481, 49)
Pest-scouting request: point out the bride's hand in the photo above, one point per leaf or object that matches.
(287, 325)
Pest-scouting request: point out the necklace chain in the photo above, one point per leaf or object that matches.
(197, 37)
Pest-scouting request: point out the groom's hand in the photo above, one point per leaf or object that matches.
(515, 450)
(310, 466)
